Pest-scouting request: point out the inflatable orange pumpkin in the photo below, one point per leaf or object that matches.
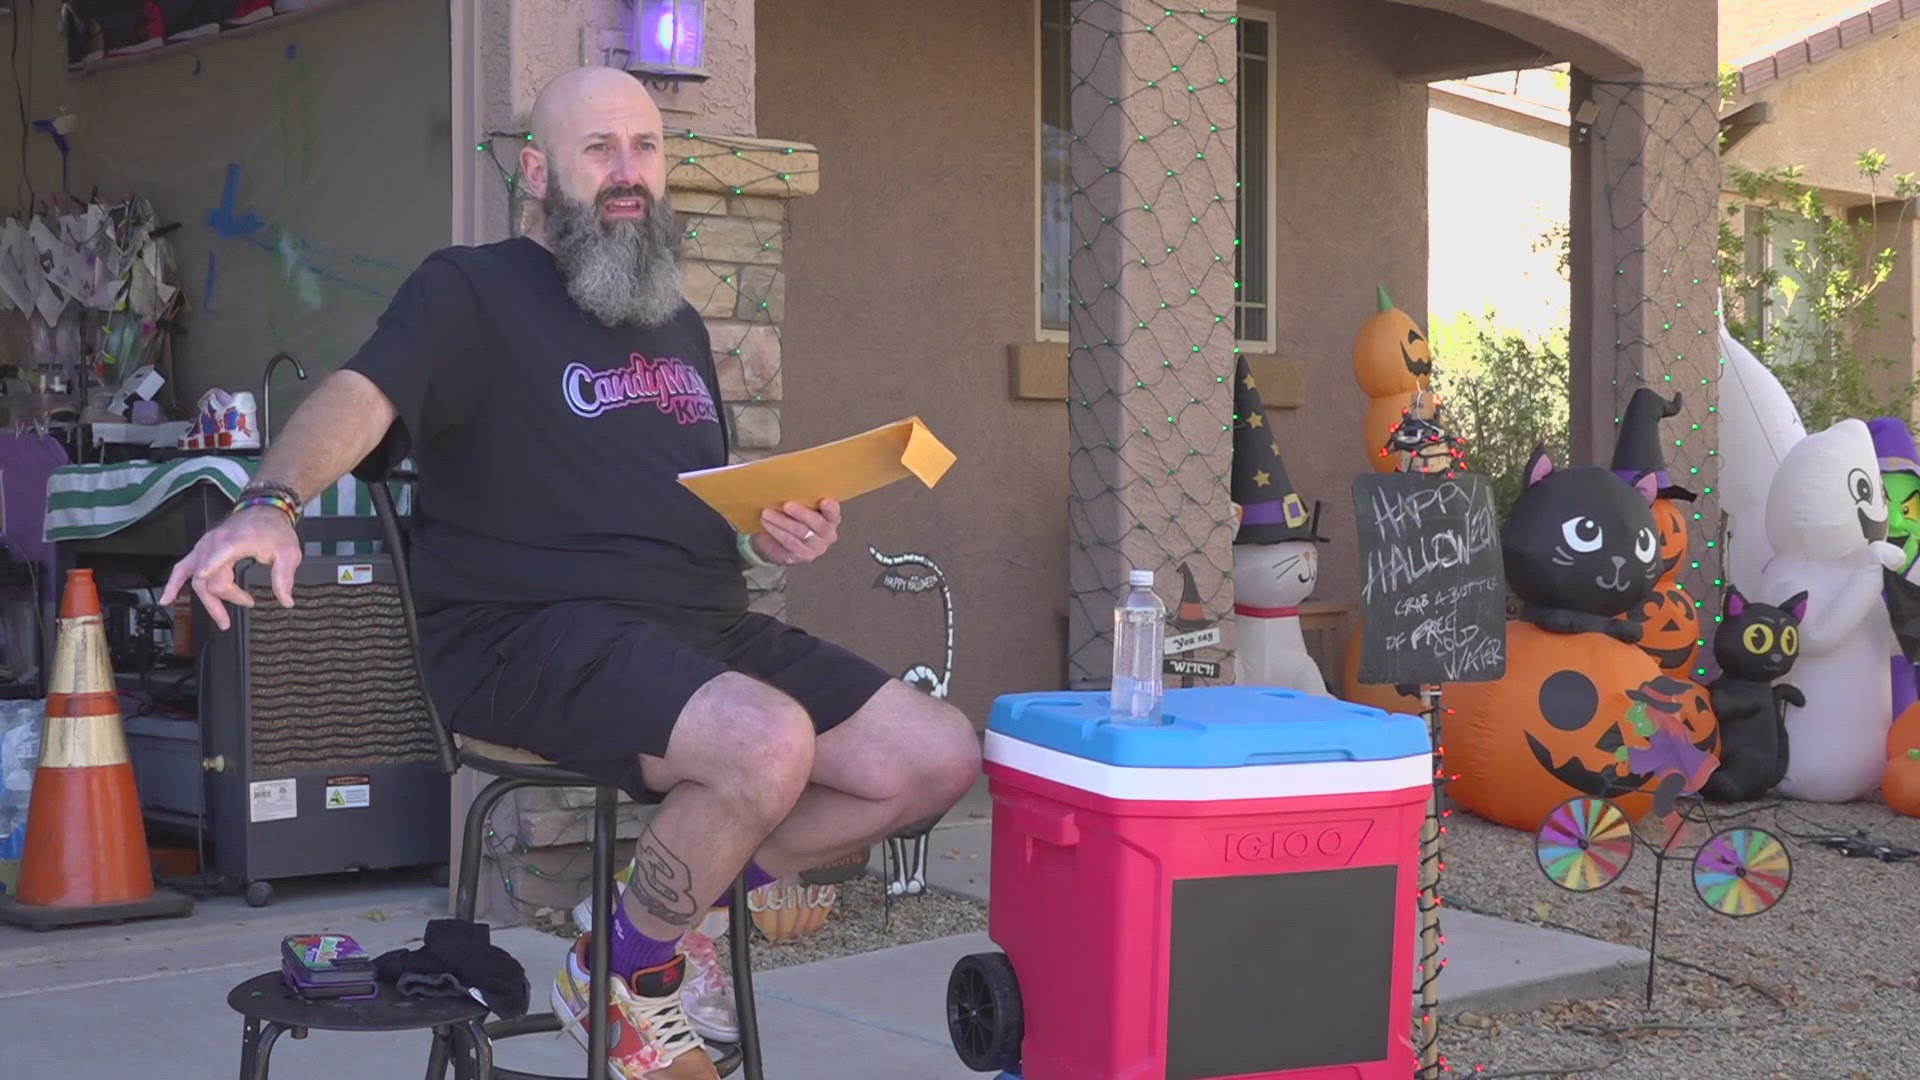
(1669, 623)
(1900, 787)
(1392, 361)
(1390, 354)
(1555, 726)
(1905, 733)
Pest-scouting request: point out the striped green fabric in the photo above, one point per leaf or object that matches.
(86, 502)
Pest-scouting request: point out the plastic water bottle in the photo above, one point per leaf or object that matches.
(1139, 645)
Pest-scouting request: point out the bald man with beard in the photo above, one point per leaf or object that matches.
(575, 600)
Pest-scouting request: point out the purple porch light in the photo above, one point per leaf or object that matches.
(669, 37)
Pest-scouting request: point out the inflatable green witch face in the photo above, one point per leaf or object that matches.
(1903, 523)
(1900, 472)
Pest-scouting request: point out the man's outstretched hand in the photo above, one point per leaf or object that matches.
(262, 534)
(793, 534)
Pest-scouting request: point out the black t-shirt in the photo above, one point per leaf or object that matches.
(548, 444)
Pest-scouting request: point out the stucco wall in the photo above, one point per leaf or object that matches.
(42, 71)
(332, 129)
(1608, 38)
(1825, 116)
(908, 276)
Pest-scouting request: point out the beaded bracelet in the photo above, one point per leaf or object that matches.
(271, 487)
(280, 503)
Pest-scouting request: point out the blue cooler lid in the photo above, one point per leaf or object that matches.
(1212, 727)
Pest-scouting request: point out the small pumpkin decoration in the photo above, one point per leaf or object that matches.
(1669, 622)
(1556, 725)
(1900, 787)
(790, 908)
(1392, 362)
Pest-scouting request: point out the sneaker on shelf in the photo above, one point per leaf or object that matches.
(128, 29)
(242, 12)
(184, 20)
(648, 1036)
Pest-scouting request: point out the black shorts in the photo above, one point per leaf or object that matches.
(592, 685)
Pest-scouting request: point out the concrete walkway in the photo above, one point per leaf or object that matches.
(149, 999)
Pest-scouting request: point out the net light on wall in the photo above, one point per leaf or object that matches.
(669, 37)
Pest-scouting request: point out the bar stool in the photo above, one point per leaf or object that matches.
(515, 769)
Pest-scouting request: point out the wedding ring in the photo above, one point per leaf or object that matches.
(807, 537)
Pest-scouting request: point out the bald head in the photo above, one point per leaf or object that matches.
(595, 128)
(588, 96)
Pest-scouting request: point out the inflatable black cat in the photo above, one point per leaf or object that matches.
(1755, 645)
(1580, 548)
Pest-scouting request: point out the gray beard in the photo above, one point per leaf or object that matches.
(623, 273)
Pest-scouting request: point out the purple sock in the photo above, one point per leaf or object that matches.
(629, 950)
(756, 877)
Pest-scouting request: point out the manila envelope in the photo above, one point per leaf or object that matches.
(838, 470)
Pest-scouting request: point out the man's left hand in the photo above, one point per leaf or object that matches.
(792, 534)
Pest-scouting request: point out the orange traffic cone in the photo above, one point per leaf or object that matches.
(86, 851)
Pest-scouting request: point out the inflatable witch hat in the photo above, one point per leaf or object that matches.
(1270, 510)
(1637, 450)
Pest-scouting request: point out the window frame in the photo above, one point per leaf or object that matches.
(1254, 345)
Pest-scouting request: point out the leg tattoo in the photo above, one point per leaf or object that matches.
(662, 882)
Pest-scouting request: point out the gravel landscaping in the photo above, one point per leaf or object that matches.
(1824, 986)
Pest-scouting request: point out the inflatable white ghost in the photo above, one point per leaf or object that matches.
(1269, 583)
(1758, 425)
(1826, 517)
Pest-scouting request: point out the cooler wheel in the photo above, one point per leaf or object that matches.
(984, 1018)
(259, 893)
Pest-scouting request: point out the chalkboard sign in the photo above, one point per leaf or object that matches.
(1432, 591)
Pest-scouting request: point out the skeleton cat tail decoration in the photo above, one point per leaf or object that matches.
(907, 849)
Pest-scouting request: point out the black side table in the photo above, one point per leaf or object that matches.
(271, 1007)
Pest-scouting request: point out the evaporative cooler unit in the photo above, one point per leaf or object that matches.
(322, 757)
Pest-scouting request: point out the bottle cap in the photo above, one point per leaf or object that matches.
(1140, 577)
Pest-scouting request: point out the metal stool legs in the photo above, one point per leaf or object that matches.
(745, 1056)
(739, 940)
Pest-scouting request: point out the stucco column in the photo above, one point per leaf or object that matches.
(1644, 217)
(1150, 396)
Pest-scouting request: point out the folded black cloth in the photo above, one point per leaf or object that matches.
(458, 956)
(417, 973)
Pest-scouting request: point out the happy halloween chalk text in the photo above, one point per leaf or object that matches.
(1421, 534)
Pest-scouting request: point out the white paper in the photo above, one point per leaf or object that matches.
(13, 281)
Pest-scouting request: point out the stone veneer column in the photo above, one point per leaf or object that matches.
(732, 195)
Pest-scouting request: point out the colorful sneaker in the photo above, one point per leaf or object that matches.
(648, 1037)
(707, 993)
